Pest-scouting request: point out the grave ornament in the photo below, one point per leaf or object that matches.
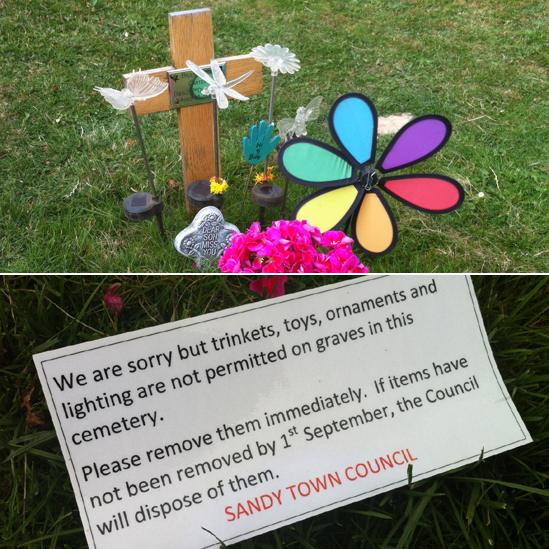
(206, 238)
(350, 180)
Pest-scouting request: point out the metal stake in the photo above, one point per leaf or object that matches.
(284, 198)
(216, 140)
(150, 174)
(143, 149)
(261, 216)
(160, 223)
(271, 115)
(285, 193)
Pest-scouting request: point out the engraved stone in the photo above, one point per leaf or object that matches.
(206, 238)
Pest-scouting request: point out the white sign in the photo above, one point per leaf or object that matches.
(238, 422)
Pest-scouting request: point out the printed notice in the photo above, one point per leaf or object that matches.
(238, 422)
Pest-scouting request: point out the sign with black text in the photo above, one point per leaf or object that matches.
(241, 421)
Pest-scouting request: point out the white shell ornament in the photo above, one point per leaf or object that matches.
(276, 58)
(139, 87)
(206, 238)
(143, 86)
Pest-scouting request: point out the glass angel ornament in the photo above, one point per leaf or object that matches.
(139, 87)
(289, 128)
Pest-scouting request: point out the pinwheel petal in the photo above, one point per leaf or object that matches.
(313, 163)
(426, 192)
(416, 141)
(328, 209)
(374, 226)
(353, 123)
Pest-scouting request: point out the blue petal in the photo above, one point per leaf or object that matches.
(353, 122)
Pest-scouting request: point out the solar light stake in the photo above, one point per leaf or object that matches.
(140, 206)
(160, 223)
(273, 97)
(271, 115)
(285, 196)
(216, 140)
(286, 181)
(143, 150)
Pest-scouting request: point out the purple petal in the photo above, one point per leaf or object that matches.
(416, 141)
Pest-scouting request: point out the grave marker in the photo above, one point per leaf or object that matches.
(191, 37)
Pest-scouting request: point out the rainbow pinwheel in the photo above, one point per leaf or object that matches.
(350, 181)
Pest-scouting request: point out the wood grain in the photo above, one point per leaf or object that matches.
(160, 103)
(191, 37)
(238, 65)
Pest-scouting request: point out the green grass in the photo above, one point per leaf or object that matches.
(500, 502)
(66, 162)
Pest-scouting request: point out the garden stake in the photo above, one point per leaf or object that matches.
(271, 115)
(266, 168)
(143, 149)
(216, 141)
(283, 209)
(150, 174)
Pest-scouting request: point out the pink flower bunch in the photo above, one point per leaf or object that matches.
(290, 247)
(269, 286)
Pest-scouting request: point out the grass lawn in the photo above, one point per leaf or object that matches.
(67, 160)
(500, 502)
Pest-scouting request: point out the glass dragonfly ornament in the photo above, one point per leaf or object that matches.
(350, 181)
(218, 87)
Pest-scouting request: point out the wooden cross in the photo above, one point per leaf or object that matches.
(191, 37)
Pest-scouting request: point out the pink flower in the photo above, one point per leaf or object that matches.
(331, 239)
(269, 286)
(112, 300)
(290, 247)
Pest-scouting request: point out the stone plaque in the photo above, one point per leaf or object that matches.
(206, 237)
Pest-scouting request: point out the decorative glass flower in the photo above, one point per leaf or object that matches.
(276, 58)
(139, 87)
(218, 87)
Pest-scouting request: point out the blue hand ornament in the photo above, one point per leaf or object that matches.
(261, 142)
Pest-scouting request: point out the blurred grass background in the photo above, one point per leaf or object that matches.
(67, 159)
(501, 502)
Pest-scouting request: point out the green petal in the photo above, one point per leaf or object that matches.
(314, 163)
